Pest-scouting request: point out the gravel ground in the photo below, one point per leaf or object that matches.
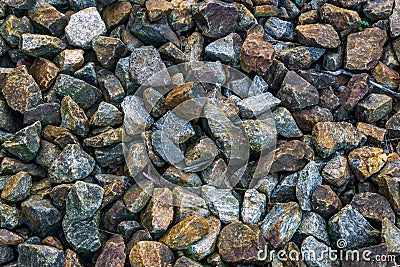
(155, 133)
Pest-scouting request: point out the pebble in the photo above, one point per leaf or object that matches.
(83, 26)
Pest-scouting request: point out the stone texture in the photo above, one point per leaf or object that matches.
(17, 187)
(31, 255)
(386, 76)
(113, 253)
(373, 108)
(70, 60)
(73, 117)
(291, 156)
(285, 123)
(319, 35)
(44, 72)
(38, 45)
(308, 180)
(339, 18)
(47, 18)
(83, 26)
(366, 161)
(108, 50)
(364, 49)
(150, 253)
(337, 171)
(373, 207)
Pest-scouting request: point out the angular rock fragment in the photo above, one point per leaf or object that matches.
(253, 208)
(317, 249)
(73, 117)
(69, 60)
(31, 255)
(366, 161)
(38, 45)
(17, 187)
(337, 171)
(47, 113)
(319, 35)
(386, 76)
(44, 72)
(390, 235)
(115, 13)
(137, 196)
(111, 87)
(314, 225)
(25, 143)
(339, 18)
(285, 123)
(83, 26)
(13, 27)
(113, 253)
(72, 164)
(150, 253)
(279, 29)
(373, 108)
(106, 115)
(308, 180)
(292, 156)
(108, 50)
(10, 217)
(47, 18)
(373, 207)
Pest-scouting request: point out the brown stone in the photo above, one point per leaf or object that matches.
(44, 72)
(366, 161)
(159, 212)
(113, 253)
(308, 17)
(182, 93)
(20, 90)
(386, 76)
(375, 134)
(339, 18)
(319, 35)
(9, 238)
(337, 171)
(157, 9)
(116, 13)
(308, 117)
(292, 156)
(108, 50)
(373, 108)
(325, 201)
(355, 90)
(391, 235)
(48, 18)
(186, 232)
(71, 259)
(364, 49)
(373, 207)
(150, 253)
(52, 242)
(256, 54)
(265, 11)
(59, 136)
(240, 243)
(17, 187)
(70, 60)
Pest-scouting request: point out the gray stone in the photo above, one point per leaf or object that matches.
(352, 227)
(17, 187)
(314, 225)
(188, 203)
(256, 105)
(38, 45)
(285, 123)
(31, 255)
(337, 171)
(6, 254)
(221, 203)
(138, 195)
(106, 115)
(391, 235)
(73, 117)
(253, 207)
(25, 143)
(281, 223)
(72, 164)
(10, 217)
(84, 94)
(83, 26)
(41, 216)
(279, 29)
(309, 179)
(224, 49)
(316, 255)
(47, 113)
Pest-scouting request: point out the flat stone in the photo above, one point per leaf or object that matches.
(373, 207)
(373, 108)
(221, 203)
(70, 60)
(108, 50)
(41, 216)
(337, 171)
(285, 123)
(20, 90)
(366, 161)
(253, 207)
(44, 72)
(73, 117)
(215, 18)
(72, 164)
(244, 249)
(256, 54)
(25, 143)
(83, 26)
(364, 49)
(38, 45)
(47, 19)
(185, 232)
(296, 93)
(308, 180)
(84, 94)
(17, 187)
(150, 253)
(291, 156)
(158, 214)
(113, 253)
(206, 245)
(319, 35)
(47, 113)
(339, 18)
(31, 255)
(329, 137)
(281, 223)
(351, 226)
